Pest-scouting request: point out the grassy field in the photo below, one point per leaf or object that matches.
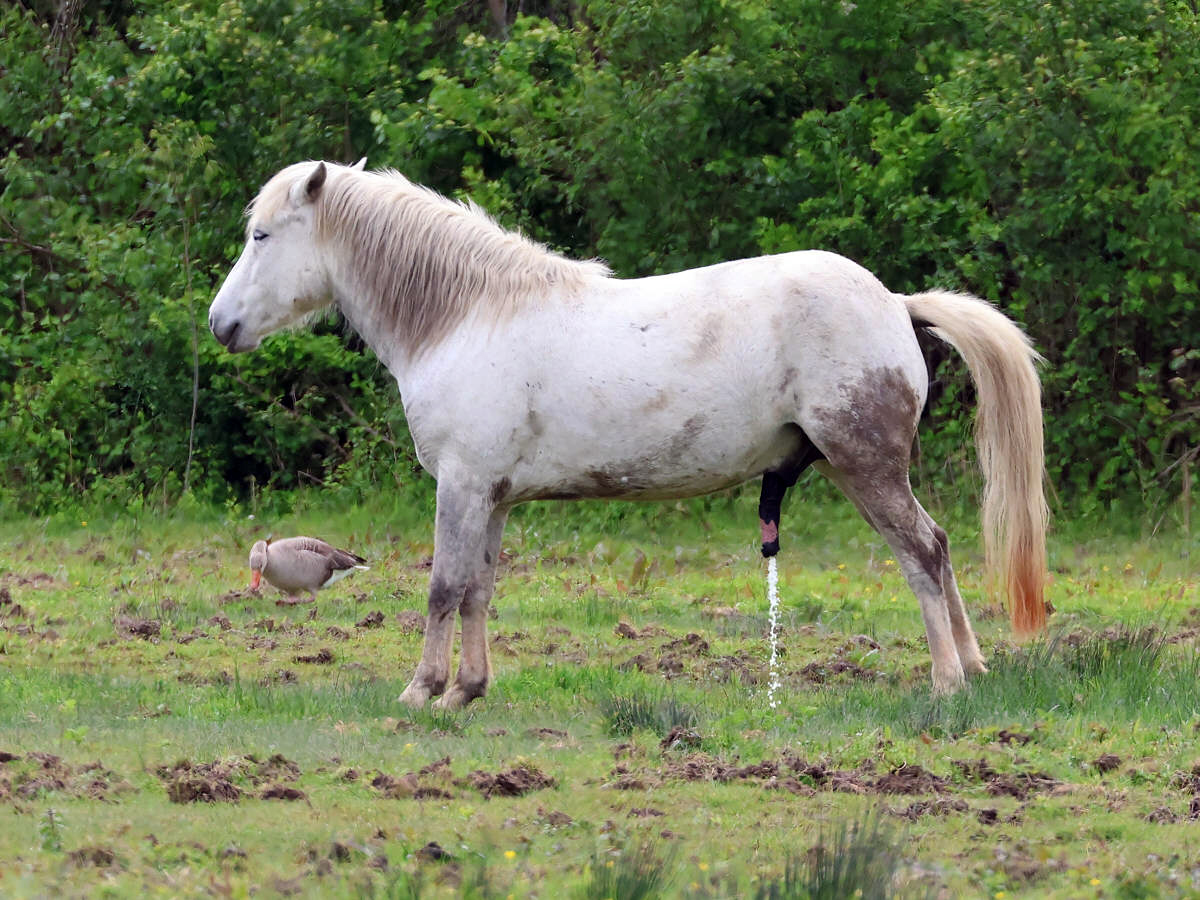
(163, 732)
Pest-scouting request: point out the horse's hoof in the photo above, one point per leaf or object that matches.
(456, 698)
(945, 685)
(975, 668)
(414, 696)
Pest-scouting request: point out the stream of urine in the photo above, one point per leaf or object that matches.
(773, 598)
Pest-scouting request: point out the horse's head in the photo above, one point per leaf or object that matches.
(279, 278)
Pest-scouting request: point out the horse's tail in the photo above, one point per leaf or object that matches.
(1008, 438)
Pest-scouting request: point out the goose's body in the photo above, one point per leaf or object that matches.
(300, 564)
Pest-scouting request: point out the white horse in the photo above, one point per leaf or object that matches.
(525, 375)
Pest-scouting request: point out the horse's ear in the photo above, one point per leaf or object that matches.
(360, 165)
(309, 189)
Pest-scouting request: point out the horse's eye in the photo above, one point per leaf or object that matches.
(259, 234)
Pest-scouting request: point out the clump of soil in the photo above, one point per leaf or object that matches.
(691, 642)
(134, 626)
(1106, 762)
(99, 857)
(1012, 784)
(203, 783)
(410, 621)
(838, 669)
(516, 782)
(27, 777)
(941, 806)
(218, 781)
(322, 657)
(681, 736)
(431, 782)
(370, 620)
(909, 780)
(282, 792)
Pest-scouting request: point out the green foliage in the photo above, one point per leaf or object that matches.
(1040, 155)
(625, 713)
(631, 873)
(856, 858)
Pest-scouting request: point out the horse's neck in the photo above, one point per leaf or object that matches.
(369, 320)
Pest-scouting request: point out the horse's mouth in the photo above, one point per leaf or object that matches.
(228, 337)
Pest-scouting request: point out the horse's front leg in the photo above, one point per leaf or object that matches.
(475, 664)
(460, 536)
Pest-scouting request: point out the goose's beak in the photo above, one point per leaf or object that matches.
(255, 579)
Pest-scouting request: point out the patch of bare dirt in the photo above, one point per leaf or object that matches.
(554, 818)
(221, 781)
(201, 783)
(681, 737)
(1011, 784)
(410, 621)
(516, 782)
(1006, 736)
(691, 642)
(97, 857)
(282, 792)
(322, 657)
(838, 669)
(430, 783)
(372, 619)
(27, 777)
(940, 806)
(909, 780)
(1162, 815)
(338, 634)
(1106, 763)
(789, 773)
(135, 626)
(742, 664)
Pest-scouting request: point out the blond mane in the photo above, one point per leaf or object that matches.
(423, 261)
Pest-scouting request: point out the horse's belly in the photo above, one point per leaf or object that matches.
(685, 463)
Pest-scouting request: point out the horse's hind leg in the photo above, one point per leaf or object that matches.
(887, 503)
(960, 622)
(475, 663)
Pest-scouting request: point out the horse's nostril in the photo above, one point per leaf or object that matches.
(225, 336)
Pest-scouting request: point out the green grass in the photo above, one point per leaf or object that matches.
(630, 650)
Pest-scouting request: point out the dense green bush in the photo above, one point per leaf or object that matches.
(1041, 155)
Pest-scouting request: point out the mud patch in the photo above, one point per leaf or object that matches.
(282, 792)
(790, 773)
(223, 781)
(370, 620)
(322, 657)
(410, 621)
(136, 627)
(942, 806)
(430, 783)
(1106, 763)
(909, 780)
(27, 777)
(836, 670)
(95, 857)
(691, 642)
(515, 782)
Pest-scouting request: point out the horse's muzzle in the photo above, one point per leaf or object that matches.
(224, 332)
